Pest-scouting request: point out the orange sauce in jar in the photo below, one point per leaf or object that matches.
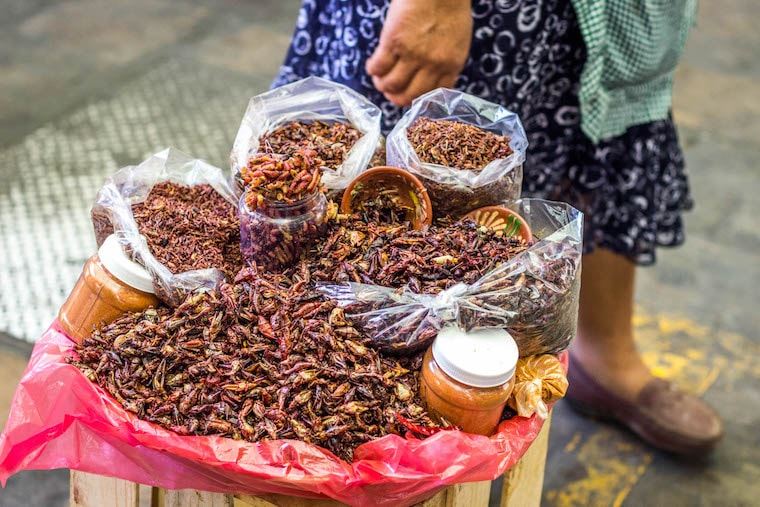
(467, 378)
(111, 284)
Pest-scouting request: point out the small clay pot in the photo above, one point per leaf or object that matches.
(503, 221)
(398, 185)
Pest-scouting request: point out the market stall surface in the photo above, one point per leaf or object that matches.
(90, 86)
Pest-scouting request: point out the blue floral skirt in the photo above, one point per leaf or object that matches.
(526, 55)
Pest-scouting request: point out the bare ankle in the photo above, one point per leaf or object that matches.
(625, 374)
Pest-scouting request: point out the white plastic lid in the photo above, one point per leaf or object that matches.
(481, 358)
(114, 259)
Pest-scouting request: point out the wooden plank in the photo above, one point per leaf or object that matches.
(145, 495)
(89, 490)
(460, 495)
(156, 498)
(469, 494)
(273, 500)
(193, 498)
(524, 482)
(437, 500)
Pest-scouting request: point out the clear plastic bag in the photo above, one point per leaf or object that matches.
(454, 191)
(311, 99)
(534, 295)
(112, 212)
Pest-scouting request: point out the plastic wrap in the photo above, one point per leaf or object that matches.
(534, 295)
(59, 419)
(112, 212)
(311, 99)
(454, 191)
(539, 381)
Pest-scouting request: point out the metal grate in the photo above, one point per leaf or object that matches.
(50, 179)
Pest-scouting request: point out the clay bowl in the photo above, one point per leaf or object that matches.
(503, 221)
(401, 189)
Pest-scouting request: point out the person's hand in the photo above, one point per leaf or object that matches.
(423, 45)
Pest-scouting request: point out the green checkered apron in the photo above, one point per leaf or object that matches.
(632, 50)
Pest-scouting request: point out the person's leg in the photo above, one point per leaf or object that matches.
(605, 343)
(608, 378)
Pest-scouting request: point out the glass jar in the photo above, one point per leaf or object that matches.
(111, 284)
(467, 378)
(276, 233)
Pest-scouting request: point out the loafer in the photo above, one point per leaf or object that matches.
(664, 416)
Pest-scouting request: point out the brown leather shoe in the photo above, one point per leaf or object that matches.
(663, 415)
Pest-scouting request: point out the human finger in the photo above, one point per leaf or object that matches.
(398, 78)
(447, 80)
(381, 61)
(423, 81)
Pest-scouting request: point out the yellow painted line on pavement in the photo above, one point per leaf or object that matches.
(627, 489)
(709, 380)
(610, 462)
(573, 443)
(611, 468)
(674, 325)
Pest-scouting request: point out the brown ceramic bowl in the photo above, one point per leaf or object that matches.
(385, 182)
(503, 221)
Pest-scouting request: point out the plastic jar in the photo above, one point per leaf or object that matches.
(274, 234)
(110, 285)
(467, 378)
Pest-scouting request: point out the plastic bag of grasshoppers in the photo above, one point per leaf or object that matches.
(533, 295)
(454, 142)
(178, 217)
(290, 111)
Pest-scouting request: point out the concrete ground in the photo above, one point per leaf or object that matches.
(89, 86)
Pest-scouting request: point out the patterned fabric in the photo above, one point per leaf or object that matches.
(632, 50)
(527, 55)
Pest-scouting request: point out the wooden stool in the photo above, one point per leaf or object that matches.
(522, 487)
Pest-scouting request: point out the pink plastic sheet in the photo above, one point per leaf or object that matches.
(59, 419)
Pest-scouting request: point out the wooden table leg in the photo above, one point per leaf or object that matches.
(89, 490)
(524, 482)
